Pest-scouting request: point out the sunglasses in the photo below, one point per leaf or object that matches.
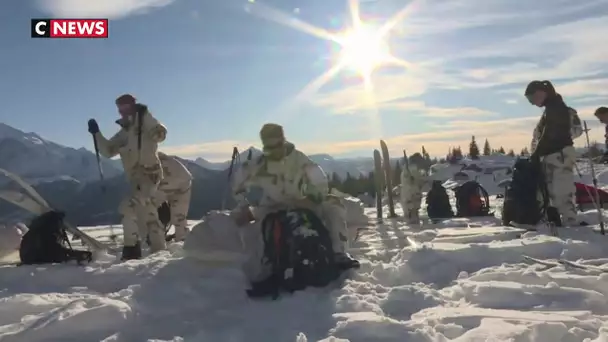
(273, 149)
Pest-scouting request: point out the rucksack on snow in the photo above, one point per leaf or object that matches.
(46, 242)
(526, 197)
(438, 202)
(298, 250)
(472, 200)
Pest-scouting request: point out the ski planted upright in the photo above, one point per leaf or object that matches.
(378, 182)
(598, 198)
(388, 178)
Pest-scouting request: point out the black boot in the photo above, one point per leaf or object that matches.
(553, 216)
(131, 252)
(344, 261)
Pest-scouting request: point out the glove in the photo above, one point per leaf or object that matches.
(242, 215)
(93, 126)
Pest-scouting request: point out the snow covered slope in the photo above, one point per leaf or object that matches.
(461, 280)
(37, 159)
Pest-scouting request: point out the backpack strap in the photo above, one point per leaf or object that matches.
(275, 238)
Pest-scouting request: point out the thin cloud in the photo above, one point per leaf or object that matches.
(111, 9)
(212, 150)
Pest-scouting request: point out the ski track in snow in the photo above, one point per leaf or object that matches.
(459, 280)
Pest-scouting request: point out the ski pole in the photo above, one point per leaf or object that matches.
(235, 154)
(103, 185)
(598, 199)
(99, 168)
(580, 175)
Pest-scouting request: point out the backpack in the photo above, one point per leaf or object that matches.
(576, 126)
(472, 200)
(438, 202)
(46, 242)
(522, 203)
(298, 251)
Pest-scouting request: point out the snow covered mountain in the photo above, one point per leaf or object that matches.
(39, 160)
(354, 166)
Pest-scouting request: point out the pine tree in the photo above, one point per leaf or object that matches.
(473, 149)
(426, 155)
(501, 150)
(511, 153)
(457, 153)
(486, 148)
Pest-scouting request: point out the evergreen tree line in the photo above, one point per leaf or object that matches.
(455, 153)
(356, 185)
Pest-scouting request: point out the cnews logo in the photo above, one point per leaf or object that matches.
(69, 28)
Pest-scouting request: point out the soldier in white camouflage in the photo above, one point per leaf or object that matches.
(412, 182)
(289, 179)
(553, 146)
(137, 144)
(175, 189)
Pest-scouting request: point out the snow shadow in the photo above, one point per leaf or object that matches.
(212, 305)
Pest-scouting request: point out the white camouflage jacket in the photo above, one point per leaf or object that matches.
(135, 160)
(282, 181)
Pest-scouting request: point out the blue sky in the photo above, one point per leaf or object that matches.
(215, 71)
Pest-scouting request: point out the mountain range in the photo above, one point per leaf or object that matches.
(69, 179)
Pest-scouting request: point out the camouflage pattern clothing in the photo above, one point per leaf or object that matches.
(412, 182)
(559, 174)
(576, 129)
(175, 188)
(143, 171)
(558, 169)
(289, 182)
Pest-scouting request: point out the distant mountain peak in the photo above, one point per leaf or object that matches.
(37, 159)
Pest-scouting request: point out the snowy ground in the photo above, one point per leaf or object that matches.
(460, 280)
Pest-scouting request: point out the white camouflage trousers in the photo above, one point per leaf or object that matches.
(559, 175)
(411, 199)
(139, 209)
(178, 199)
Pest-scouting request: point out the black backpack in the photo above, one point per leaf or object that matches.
(298, 249)
(522, 204)
(438, 202)
(472, 200)
(46, 242)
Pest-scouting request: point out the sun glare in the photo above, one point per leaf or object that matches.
(363, 50)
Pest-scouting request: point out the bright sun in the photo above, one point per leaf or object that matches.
(363, 50)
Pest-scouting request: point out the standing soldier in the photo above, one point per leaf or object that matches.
(137, 144)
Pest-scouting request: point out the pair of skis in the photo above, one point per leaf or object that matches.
(566, 263)
(35, 204)
(383, 180)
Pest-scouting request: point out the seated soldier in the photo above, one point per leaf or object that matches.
(289, 179)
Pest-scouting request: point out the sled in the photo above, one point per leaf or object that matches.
(35, 204)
